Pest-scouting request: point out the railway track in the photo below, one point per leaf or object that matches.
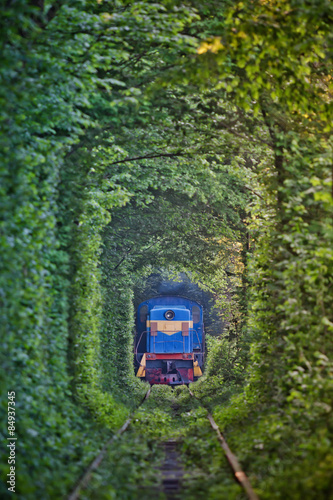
(239, 474)
(85, 478)
(171, 469)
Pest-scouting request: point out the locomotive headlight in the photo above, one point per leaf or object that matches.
(169, 315)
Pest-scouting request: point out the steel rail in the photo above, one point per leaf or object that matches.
(239, 474)
(85, 478)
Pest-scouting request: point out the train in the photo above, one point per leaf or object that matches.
(169, 343)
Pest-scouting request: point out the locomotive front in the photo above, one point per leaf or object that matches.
(169, 344)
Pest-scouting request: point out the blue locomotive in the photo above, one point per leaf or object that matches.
(170, 340)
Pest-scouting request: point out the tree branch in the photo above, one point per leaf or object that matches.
(162, 155)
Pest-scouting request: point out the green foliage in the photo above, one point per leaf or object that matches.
(141, 136)
(117, 340)
(127, 472)
(225, 371)
(207, 470)
(55, 69)
(286, 405)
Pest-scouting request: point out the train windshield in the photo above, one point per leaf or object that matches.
(196, 314)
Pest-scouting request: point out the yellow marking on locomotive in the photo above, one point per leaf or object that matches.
(169, 327)
(196, 369)
(142, 368)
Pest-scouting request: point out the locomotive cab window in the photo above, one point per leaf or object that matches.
(143, 313)
(196, 314)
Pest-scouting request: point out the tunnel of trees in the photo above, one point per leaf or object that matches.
(143, 139)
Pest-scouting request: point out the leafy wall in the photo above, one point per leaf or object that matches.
(139, 136)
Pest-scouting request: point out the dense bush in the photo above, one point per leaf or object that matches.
(140, 136)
